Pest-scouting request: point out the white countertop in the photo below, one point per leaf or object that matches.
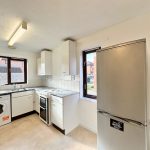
(45, 90)
(55, 91)
(63, 93)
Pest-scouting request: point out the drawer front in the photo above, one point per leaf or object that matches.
(24, 93)
(57, 99)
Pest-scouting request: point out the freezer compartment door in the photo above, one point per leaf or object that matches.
(121, 78)
(126, 137)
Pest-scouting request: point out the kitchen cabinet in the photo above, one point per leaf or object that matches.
(64, 112)
(57, 111)
(44, 63)
(68, 58)
(39, 70)
(64, 59)
(37, 102)
(22, 102)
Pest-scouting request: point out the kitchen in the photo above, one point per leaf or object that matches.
(135, 28)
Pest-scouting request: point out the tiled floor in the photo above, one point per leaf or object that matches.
(30, 133)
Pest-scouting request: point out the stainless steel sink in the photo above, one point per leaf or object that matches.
(5, 91)
(13, 90)
(18, 90)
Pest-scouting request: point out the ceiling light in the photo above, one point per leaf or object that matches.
(18, 33)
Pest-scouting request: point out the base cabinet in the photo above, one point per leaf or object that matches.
(37, 102)
(22, 103)
(57, 112)
(64, 112)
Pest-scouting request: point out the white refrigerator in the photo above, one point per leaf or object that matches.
(121, 96)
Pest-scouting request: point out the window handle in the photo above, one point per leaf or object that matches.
(84, 63)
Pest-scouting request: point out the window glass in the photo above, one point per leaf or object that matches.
(3, 71)
(17, 71)
(91, 73)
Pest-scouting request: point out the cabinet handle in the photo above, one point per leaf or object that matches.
(42, 108)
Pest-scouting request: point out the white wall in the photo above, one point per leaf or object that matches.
(33, 79)
(137, 28)
(87, 114)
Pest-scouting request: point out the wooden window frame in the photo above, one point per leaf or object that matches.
(9, 69)
(84, 53)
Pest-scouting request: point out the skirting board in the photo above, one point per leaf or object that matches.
(86, 127)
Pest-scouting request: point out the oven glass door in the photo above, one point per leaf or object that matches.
(43, 113)
(43, 102)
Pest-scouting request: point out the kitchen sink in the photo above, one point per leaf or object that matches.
(18, 90)
(5, 91)
(13, 90)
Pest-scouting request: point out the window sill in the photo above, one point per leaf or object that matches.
(89, 99)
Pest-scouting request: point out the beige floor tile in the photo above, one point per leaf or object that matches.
(30, 133)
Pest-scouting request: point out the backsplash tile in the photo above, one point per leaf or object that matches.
(63, 82)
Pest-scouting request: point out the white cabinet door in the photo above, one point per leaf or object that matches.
(64, 59)
(37, 102)
(45, 63)
(57, 114)
(68, 58)
(72, 58)
(21, 105)
(39, 69)
(56, 62)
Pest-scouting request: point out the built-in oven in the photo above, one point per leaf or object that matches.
(44, 112)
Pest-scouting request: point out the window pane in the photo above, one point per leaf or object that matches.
(17, 71)
(91, 73)
(3, 71)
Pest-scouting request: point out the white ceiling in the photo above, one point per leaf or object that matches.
(51, 21)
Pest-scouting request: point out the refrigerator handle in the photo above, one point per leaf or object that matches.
(124, 119)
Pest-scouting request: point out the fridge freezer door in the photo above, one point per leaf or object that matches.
(121, 81)
(109, 138)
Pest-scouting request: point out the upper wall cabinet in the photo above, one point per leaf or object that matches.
(45, 63)
(69, 58)
(64, 59)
